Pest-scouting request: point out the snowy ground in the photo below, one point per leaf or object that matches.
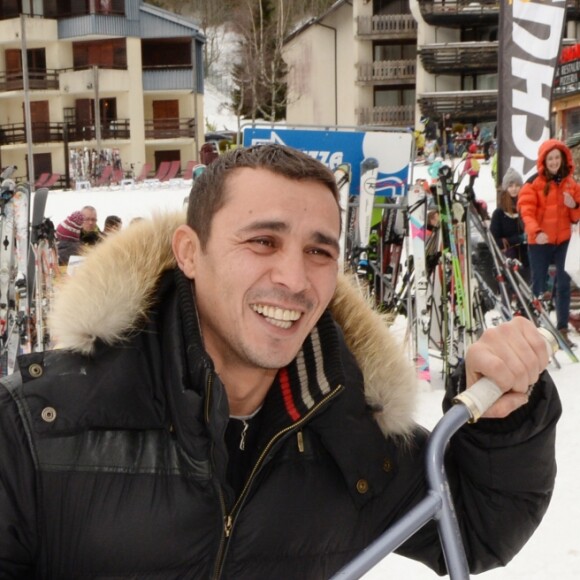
(554, 551)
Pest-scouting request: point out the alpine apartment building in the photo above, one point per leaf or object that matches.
(119, 79)
(391, 62)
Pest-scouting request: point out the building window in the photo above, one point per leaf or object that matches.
(170, 52)
(102, 53)
(394, 97)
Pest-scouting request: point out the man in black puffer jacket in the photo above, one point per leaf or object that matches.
(224, 405)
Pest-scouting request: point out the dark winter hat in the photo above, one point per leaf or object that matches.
(70, 228)
(511, 176)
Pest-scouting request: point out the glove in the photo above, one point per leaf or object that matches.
(569, 201)
(542, 238)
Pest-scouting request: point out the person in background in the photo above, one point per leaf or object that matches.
(548, 205)
(486, 140)
(506, 225)
(471, 167)
(113, 223)
(90, 234)
(67, 235)
(225, 404)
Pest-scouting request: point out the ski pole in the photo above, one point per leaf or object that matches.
(468, 407)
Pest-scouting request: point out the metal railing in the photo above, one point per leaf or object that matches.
(37, 80)
(460, 57)
(392, 116)
(46, 132)
(387, 70)
(479, 106)
(391, 25)
(15, 133)
(169, 128)
(441, 11)
(85, 131)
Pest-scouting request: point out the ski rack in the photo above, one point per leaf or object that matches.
(437, 505)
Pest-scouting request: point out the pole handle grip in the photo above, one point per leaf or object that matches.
(484, 393)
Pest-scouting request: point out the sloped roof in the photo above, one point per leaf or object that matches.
(315, 20)
(173, 18)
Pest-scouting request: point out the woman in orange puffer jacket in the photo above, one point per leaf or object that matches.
(548, 205)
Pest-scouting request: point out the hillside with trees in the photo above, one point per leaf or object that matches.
(257, 71)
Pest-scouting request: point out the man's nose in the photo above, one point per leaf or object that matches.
(290, 270)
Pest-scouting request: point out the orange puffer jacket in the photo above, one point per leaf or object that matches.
(548, 213)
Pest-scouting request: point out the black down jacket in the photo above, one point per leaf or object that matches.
(113, 462)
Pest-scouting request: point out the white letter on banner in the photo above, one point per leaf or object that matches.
(527, 146)
(544, 49)
(536, 76)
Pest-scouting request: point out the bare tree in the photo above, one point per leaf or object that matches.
(259, 76)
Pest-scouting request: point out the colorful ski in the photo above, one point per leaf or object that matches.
(14, 304)
(368, 179)
(417, 208)
(342, 174)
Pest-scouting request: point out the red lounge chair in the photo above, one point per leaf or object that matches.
(162, 170)
(42, 178)
(51, 180)
(188, 171)
(118, 175)
(144, 172)
(105, 176)
(174, 167)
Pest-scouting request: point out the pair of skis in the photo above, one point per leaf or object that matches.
(14, 296)
(386, 265)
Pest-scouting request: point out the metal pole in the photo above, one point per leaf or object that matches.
(97, 108)
(27, 113)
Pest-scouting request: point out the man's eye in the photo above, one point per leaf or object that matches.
(262, 242)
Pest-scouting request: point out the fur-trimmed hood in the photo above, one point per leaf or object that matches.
(115, 287)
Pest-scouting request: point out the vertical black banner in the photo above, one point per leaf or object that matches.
(530, 36)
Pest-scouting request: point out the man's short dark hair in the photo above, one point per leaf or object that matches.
(208, 194)
(112, 221)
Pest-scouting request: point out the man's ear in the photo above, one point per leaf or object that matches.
(186, 246)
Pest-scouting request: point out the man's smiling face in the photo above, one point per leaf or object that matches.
(268, 270)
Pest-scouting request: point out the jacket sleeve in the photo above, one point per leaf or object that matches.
(17, 494)
(501, 474)
(575, 213)
(528, 209)
(495, 227)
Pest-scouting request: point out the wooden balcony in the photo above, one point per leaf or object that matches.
(468, 106)
(387, 72)
(15, 133)
(37, 80)
(396, 116)
(169, 128)
(392, 26)
(460, 57)
(456, 13)
(85, 131)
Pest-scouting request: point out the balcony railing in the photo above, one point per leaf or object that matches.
(14, 133)
(387, 71)
(394, 116)
(37, 80)
(472, 106)
(395, 26)
(116, 129)
(169, 128)
(452, 13)
(460, 57)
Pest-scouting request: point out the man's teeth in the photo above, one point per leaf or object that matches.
(279, 317)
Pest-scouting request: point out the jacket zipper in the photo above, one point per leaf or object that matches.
(230, 519)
